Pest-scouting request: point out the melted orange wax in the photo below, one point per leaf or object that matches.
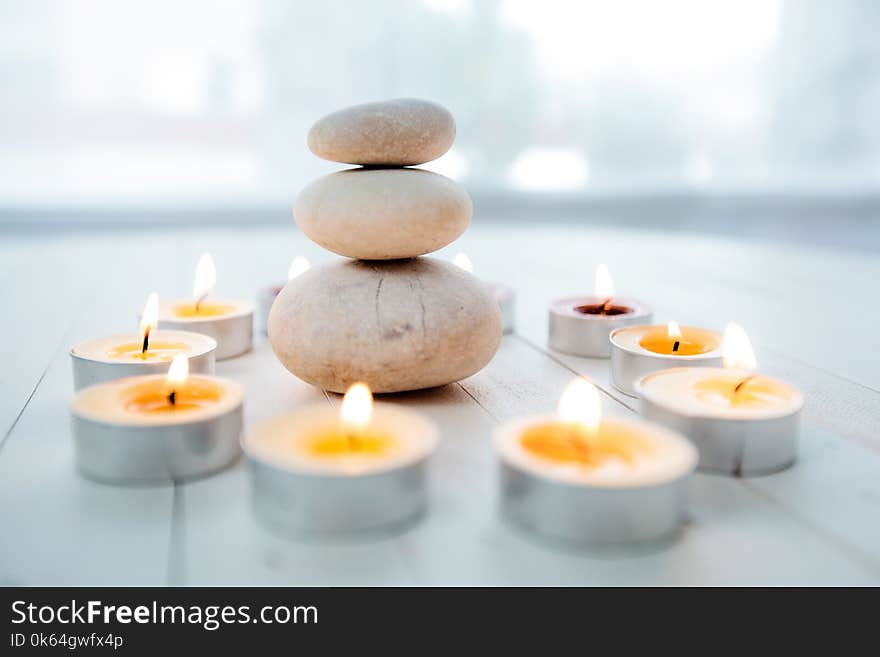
(152, 397)
(755, 392)
(160, 351)
(334, 442)
(571, 442)
(205, 309)
(693, 341)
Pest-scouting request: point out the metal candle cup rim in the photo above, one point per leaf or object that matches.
(567, 306)
(507, 433)
(644, 393)
(428, 446)
(242, 308)
(233, 398)
(641, 351)
(209, 344)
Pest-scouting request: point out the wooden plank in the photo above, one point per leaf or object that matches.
(463, 473)
(61, 529)
(808, 525)
(58, 527)
(42, 295)
(834, 488)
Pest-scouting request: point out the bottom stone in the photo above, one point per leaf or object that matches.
(394, 324)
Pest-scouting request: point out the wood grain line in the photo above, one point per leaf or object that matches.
(477, 402)
(825, 371)
(549, 355)
(866, 559)
(176, 575)
(24, 407)
(58, 349)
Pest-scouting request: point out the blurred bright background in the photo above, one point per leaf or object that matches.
(753, 106)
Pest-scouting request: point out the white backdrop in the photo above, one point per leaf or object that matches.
(207, 102)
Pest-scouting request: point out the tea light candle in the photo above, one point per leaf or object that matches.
(582, 478)
(157, 428)
(146, 352)
(229, 322)
(504, 295)
(640, 350)
(741, 422)
(581, 325)
(267, 295)
(316, 471)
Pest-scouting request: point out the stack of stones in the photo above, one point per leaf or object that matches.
(387, 317)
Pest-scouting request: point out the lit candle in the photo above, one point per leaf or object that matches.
(504, 295)
(157, 428)
(146, 352)
(267, 295)
(229, 322)
(584, 478)
(742, 422)
(580, 325)
(316, 471)
(640, 350)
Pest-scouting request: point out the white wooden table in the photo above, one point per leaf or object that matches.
(812, 314)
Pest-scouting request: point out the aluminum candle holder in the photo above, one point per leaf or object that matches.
(267, 295)
(578, 333)
(115, 446)
(738, 444)
(506, 298)
(589, 512)
(321, 505)
(233, 331)
(630, 362)
(504, 295)
(265, 299)
(295, 495)
(94, 361)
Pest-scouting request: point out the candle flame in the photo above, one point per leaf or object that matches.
(580, 403)
(299, 266)
(206, 277)
(357, 406)
(604, 287)
(736, 348)
(179, 370)
(462, 260)
(150, 315)
(673, 330)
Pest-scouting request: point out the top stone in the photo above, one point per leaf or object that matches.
(391, 133)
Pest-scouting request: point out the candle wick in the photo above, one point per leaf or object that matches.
(146, 344)
(604, 306)
(199, 301)
(675, 346)
(740, 385)
(172, 397)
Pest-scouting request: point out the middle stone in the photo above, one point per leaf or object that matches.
(383, 214)
(398, 325)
